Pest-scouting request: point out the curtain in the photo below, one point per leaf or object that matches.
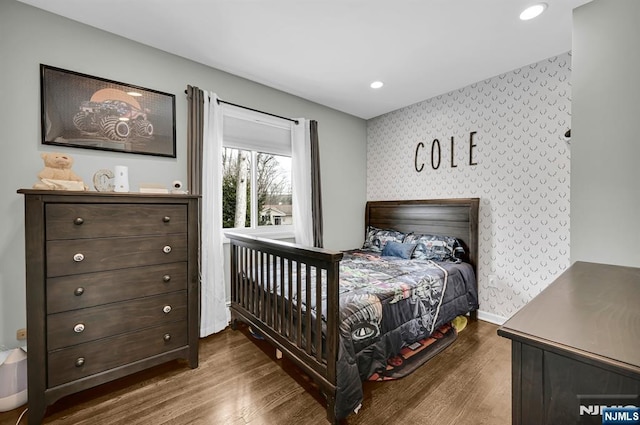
(195, 117)
(316, 189)
(301, 182)
(204, 146)
(205, 179)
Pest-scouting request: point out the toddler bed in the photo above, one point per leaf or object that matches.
(339, 316)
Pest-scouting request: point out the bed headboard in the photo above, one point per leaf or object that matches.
(450, 217)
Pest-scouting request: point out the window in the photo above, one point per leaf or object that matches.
(256, 168)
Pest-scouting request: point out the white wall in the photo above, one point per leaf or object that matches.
(605, 163)
(522, 172)
(29, 36)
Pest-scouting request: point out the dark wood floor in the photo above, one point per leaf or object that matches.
(240, 382)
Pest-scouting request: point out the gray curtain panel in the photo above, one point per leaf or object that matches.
(195, 120)
(316, 189)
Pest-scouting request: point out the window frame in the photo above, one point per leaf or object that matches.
(284, 231)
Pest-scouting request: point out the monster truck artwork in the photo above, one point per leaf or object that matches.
(113, 114)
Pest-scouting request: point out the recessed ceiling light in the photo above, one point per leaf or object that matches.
(377, 84)
(533, 11)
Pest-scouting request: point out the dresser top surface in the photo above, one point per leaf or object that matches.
(594, 308)
(62, 194)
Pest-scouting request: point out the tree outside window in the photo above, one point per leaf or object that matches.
(270, 203)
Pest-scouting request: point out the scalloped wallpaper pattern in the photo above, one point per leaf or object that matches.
(521, 177)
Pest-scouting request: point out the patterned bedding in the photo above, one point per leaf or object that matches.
(387, 303)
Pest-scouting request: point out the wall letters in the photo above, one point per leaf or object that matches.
(436, 154)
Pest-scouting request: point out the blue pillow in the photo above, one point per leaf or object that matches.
(396, 249)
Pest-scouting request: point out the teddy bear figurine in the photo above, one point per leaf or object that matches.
(57, 174)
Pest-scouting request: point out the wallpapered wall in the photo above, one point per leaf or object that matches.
(521, 176)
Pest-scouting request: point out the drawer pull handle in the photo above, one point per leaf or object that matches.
(79, 291)
(166, 337)
(78, 257)
(79, 328)
(80, 362)
(166, 278)
(166, 249)
(166, 309)
(78, 221)
(166, 219)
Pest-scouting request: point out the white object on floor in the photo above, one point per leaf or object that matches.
(13, 379)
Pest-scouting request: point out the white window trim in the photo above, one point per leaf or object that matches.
(269, 232)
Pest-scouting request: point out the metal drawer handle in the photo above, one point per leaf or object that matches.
(166, 337)
(166, 309)
(166, 249)
(78, 221)
(166, 278)
(79, 328)
(80, 362)
(166, 219)
(78, 257)
(79, 291)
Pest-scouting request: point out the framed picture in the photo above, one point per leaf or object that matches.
(88, 112)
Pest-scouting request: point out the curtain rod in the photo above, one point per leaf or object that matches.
(255, 110)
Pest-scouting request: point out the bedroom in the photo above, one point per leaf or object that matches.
(344, 205)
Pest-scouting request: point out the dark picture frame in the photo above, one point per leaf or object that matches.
(83, 111)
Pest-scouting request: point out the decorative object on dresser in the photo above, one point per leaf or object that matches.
(112, 288)
(57, 173)
(576, 347)
(152, 188)
(121, 179)
(102, 180)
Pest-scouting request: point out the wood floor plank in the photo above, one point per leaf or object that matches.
(240, 382)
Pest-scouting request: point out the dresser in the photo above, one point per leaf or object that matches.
(111, 286)
(576, 347)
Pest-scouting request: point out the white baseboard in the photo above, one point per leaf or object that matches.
(492, 318)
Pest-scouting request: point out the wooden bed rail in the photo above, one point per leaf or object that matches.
(267, 277)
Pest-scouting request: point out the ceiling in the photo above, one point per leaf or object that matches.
(329, 51)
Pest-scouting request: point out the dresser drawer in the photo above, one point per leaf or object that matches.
(80, 221)
(79, 326)
(82, 360)
(68, 257)
(92, 289)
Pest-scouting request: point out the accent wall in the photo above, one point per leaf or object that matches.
(501, 140)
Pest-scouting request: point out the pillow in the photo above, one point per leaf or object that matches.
(435, 247)
(400, 250)
(377, 238)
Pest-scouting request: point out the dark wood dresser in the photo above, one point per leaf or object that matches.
(112, 288)
(576, 347)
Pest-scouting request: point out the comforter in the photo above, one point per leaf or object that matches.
(387, 303)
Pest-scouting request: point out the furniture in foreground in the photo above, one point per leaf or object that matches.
(576, 347)
(111, 286)
(273, 283)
